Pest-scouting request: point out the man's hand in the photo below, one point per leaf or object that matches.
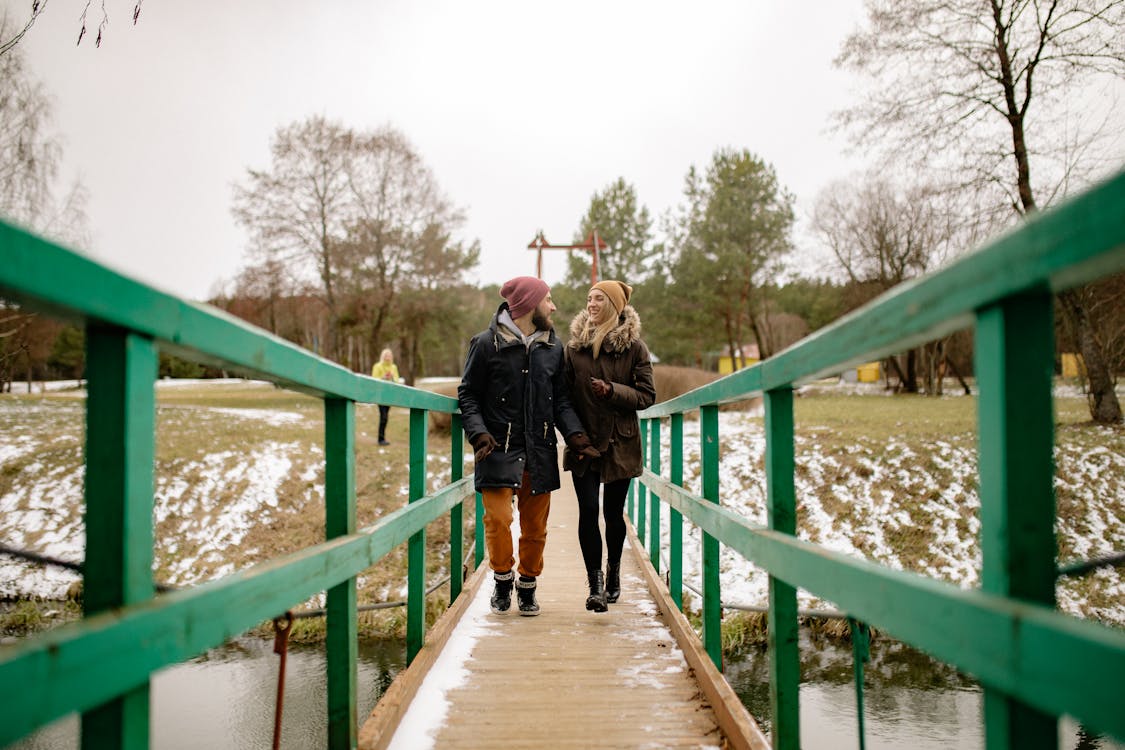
(483, 444)
(600, 388)
(580, 444)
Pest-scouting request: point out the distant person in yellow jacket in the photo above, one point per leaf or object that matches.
(385, 369)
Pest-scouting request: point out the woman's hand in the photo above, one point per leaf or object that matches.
(580, 444)
(600, 388)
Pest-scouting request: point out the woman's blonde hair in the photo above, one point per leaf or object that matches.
(599, 331)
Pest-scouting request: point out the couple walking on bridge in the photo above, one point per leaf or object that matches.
(521, 384)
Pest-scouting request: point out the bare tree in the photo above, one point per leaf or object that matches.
(299, 210)
(401, 214)
(12, 324)
(29, 158)
(882, 235)
(26, 342)
(780, 329)
(10, 37)
(1094, 316)
(953, 84)
(348, 210)
(11, 31)
(29, 167)
(1106, 303)
(264, 291)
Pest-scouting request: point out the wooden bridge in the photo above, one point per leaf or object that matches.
(633, 677)
(1035, 663)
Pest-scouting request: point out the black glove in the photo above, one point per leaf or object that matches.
(580, 444)
(483, 444)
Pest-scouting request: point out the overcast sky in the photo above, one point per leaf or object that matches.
(521, 109)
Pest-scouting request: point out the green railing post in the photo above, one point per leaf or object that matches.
(630, 502)
(416, 550)
(457, 513)
(782, 627)
(675, 518)
(639, 521)
(120, 449)
(712, 603)
(341, 628)
(654, 501)
(861, 652)
(1014, 364)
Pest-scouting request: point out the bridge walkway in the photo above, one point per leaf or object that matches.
(567, 678)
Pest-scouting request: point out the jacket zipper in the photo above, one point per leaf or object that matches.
(544, 430)
(508, 437)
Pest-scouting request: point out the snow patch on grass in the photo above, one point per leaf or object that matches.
(860, 499)
(228, 494)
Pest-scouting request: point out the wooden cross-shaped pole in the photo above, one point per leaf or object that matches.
(594, 244)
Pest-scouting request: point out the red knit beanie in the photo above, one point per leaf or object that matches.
(523, 294)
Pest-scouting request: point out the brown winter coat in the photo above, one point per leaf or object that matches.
(611, 423)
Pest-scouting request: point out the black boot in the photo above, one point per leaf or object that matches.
(612, 582)
(595, 602)
(525, 592)
(502, 594)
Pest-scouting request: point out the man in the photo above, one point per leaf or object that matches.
(513, 395)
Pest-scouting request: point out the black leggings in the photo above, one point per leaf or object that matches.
(384, 414)
(613, 508)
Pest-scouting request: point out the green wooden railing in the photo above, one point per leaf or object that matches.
(1034, 663)
(102, 665)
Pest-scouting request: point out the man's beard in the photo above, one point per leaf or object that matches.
(540, 321)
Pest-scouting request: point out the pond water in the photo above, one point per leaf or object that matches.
(910, 701)
(225, 699)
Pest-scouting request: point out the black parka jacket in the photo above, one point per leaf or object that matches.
(518, 394)
(611, 423)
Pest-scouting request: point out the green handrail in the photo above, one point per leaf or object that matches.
(675, 520)
(654, 501)
(101, 665)
(1034, 662)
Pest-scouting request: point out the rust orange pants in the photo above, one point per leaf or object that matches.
(498, 527)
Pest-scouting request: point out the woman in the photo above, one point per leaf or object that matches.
(385, 369)
(610, 377)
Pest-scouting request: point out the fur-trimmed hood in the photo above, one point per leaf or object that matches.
(619, 339)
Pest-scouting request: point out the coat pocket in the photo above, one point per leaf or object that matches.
(626, 428)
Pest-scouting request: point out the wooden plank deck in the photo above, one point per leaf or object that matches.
(567, 678)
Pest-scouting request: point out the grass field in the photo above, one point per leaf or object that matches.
(239, 480)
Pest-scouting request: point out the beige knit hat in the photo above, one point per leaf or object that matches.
(617, 291)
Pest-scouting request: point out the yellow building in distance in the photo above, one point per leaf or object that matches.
(869, 372)
(727, 362)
